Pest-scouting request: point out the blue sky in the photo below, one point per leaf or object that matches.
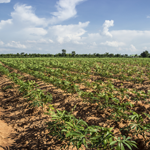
(83, 26)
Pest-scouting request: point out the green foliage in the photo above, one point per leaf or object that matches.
(73, 54)
(64, 125)
(145, 54)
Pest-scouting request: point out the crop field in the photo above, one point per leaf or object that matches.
(75, 103)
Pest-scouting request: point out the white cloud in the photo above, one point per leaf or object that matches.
(131, 36)
(4, 23)
(40, 49)
(132, 48)
(35, 31)
(41, 41)
(145, 47)
(94, 35)
(67, 33)
(28, 41)
(4, 1)
(113, 43)
(65, 10)
(15, 45)
(1, 43)
(106, 25)
(51, 41)
(23, 25)
(79, 43)
(25, 15)
(120, 48)
(94, 44)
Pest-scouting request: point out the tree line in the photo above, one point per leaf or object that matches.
(144, 54)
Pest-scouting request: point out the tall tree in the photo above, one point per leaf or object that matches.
(63, 52)
(22, 53)
(73, 53)
(111, 55)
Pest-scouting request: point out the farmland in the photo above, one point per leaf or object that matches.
(109, 96)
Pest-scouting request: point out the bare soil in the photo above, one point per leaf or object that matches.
(23, 127)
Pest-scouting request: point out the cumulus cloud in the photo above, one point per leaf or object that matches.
(23, 24)
(145, 47)
(94, 44)
(132, 48)
(130, 36)
(65, 10)
(28, 41)
(4, 1)
(79, 43)
(51, 41)
(67, 33)
(93, 35)
(1, 43)
(113, 43)
(106, 26)
(41, 41)
(35, 31)
(40, 49)
(4, 23)
(25, 15)
(15, 44)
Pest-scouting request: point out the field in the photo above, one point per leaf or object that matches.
(110, 97)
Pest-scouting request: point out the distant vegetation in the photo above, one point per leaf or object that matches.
(144, 54)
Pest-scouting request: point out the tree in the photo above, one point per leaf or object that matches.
(77, 55)
(97, 55)
(68, 55)
(117, 55)
(73, 53)
(145, 54)
(59, 54)
(94, 55)
(22, 53)
(106, 54)
(25, 55)
(63, 52)
(89, 55)
(111, 55)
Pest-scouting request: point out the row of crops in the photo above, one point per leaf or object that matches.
(69, 75)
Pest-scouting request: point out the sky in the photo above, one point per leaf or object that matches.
(83, 26)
